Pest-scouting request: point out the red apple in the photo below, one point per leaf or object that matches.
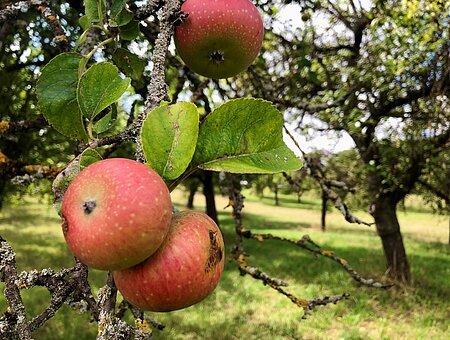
(116, 213)
(219, 38)
(183, 271)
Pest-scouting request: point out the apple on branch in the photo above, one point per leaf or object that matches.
(219, 38)
(116, 213)
(184, 270)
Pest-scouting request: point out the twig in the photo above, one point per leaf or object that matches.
(313, 303)
(318, 175)
(305, 243)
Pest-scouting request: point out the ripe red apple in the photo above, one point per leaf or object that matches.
(183, 271)
(116, 213)
(219, 38)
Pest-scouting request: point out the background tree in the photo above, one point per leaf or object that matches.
(434, 185)
(378, 72)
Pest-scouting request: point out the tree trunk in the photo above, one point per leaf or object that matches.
(388, 228)
(192, 190)
(324, 211)
(275, 190)
(208, 191)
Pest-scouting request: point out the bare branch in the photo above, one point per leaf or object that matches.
(318, 174)
(18, 324)
(306, 243)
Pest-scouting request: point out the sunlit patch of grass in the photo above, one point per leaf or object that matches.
(242, 308)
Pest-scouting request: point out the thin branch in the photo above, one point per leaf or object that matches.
(306, 243)
(8, 275)
(318, 174)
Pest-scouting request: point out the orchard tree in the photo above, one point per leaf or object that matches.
(377, 71)
(435, 183)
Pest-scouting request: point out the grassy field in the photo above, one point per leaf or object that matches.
(242, 308)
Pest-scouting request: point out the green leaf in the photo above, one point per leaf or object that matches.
(119, 14)
(116, 7)
(88, 157)
(129, 63)
(92, 9)
(57, 95)
(85, 22)
(244, 136)
(122, 19)
(169, 135)
(130, 31)
(106, 122)
(99, 87)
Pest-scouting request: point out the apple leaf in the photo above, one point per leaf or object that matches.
(57, 95)
(119, 15)
(169, 135)
(99, 87)
(92, 7)
(116, 7)
(106, 122)
(244, 136)
(129, 31)
(84, 22)
(65, 177)
(88, 157)
(122, 19)
(129, 63)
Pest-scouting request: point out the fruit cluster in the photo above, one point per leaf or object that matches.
(117, 216)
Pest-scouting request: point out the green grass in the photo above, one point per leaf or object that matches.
(242, 308)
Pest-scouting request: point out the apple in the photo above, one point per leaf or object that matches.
(183, 271)
(116, 213)
(219, 38)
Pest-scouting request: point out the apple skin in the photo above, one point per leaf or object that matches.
(219, 38)
(116, 213)
(184, 270)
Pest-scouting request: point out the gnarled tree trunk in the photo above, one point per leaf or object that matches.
(388, 228)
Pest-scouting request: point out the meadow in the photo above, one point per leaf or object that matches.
(243, 308)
